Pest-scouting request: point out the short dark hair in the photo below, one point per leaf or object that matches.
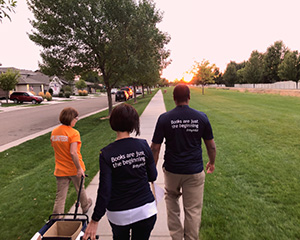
(181, 93)
(67, 115)
(124, 118)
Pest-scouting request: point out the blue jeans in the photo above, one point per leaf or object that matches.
(140, 230)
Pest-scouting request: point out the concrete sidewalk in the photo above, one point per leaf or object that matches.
(148, 121)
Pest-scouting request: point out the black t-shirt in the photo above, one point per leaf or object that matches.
(183, 128)
(126, 168)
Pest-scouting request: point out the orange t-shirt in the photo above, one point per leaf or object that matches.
(61, 139)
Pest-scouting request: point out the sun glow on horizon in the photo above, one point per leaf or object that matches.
(187, 77)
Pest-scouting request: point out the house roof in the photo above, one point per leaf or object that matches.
(29, 77)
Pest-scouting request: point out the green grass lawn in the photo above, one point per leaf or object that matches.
(9, 104)
(20, 104)
(254, 192)
(27, 183)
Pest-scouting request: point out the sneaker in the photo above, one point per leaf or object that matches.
(90, 202)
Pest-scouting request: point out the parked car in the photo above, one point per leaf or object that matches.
(122, 95)
(128, 90)
(138, 91)
(20, 97)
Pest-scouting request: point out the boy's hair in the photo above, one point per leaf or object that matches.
(67, 115)
(124, 118)
(181, 93)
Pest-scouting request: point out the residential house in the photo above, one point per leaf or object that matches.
(35, 81)
(56, 84)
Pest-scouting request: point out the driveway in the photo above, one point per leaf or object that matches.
(26, 121)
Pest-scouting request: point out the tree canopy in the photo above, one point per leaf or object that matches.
(116, 38)
(289, 68)
(253, 70)
(8, 80)
(203, 73)
(278, 63)
(80, 84)
(6, 7)
(272, 58)
(230, 75)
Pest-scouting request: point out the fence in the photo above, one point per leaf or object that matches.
(276, 85)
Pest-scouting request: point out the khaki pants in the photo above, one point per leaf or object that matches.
(62, 190)
(192, 187)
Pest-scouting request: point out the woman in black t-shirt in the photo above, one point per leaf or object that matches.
(126, 168)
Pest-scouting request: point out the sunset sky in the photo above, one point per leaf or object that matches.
(216, 30)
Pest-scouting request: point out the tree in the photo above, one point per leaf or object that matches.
(218, 76)
(6, 7)
(272, 58)
(204, 73)
(146, 51)
(97, 35)
(289, 68)
(253, 70)
(80, 84)
(163, 82)
(240, 75)
(230, 76)
(92, 77)
(8, 81)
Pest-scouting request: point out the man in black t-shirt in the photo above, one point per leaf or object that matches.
(183, 128)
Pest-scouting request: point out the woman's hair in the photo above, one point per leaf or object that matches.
(67, 115)
(124, 118)
(181, 93)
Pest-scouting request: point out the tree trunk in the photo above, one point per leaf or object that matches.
(109, 99)
(143, 91)
(134, 93)
(7, 96)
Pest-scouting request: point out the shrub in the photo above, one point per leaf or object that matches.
(84, 93)
(48, 96)
(80, 93)
(41, 94)
(67, 89)
(80, 84)
(67, 94)
(51, 91)
(61, 94)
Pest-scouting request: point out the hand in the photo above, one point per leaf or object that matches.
(210, 168)
(80, 173)
(90, 231)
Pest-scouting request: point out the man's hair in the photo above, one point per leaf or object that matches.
(67, 115)
(181, 93)
(124, 118)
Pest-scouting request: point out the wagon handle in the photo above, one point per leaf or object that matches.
(78, 196)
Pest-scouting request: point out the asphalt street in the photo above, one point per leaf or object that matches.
(29, 120)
